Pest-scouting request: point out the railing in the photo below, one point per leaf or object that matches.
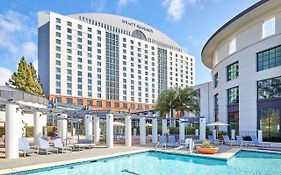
(22, 96)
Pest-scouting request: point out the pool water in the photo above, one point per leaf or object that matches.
(157, 163)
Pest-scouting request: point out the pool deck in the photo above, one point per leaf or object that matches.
(40, 161)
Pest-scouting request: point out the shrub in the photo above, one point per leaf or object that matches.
(174, 130)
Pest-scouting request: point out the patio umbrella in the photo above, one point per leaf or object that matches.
(118, 124)
(148, 124)
(217, 124)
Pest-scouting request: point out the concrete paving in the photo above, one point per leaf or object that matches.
(35, 161)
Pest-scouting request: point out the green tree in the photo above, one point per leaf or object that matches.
(26, 79)
(187, 100)
(180, 99)
(166, 102)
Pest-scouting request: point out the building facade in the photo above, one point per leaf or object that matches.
(245, 58)
(108, 62)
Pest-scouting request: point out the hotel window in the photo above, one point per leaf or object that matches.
(108, 104)
(69, 101)
(89, 102)
(232, 71)
(79, 26)
(232, 46)
(58, 41)
(216, 80)
(269, 58)
(69, 23)
(58, 34)
(69, 37)
(69, 30)
(79, 102)
(58, 20)
(233, 96)
(98, 32)
(268, 27)
(269, 88)
(58, 27)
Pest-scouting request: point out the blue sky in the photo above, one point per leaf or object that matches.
(189, 22)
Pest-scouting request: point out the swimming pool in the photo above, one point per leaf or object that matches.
(159, 163)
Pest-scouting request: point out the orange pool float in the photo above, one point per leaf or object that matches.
(207, 150)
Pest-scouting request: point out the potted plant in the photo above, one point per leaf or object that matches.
(206, 148)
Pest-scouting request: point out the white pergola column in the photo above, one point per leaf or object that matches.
(88, 126)
(164, 127)
(202, 128)
(154, 130)
(214, 134)
(62, 127)
(96, 130)
(37, 129)
(128, 130)
(260, 135)
(142, 130)
(182, 131)
(12, 131)
(109, 130)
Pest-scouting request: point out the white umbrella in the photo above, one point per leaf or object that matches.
(118, 124)
(148, 124)
(217, 124)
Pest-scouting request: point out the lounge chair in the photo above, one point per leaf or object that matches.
(172, 141)
(24, 147)
(241, 141)
(59, 145)
(162, 142)
(213, 140)
(85, 143)
(256, 142)
(45, 147)
(186, 144)
(227, 141)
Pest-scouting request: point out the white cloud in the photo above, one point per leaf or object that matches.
(177, 8)
(98, 5)
(192, 40)
(30, 50)
(125, 3)
(17, 36)
(122, 4)
(5, 75)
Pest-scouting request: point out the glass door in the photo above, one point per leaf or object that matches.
(233, 119)
(270, 124)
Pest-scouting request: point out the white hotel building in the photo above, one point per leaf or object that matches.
(108, 61)
(245, 58)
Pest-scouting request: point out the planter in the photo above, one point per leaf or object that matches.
(207, 150)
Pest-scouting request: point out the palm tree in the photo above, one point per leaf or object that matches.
(187, 100)
(180, 99)
(166, 102)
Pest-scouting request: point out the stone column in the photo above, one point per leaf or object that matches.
(182, 131)
(142, 131)
(164, 127)
(88, 126)
(12, 131)
(128, 130)
(96, 130)
(233, 134)
(260, 135)
(154, 130)
(202, 128)
(37, 129)
(109, 130)
(62, 127)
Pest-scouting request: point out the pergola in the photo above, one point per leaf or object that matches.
(15, 102)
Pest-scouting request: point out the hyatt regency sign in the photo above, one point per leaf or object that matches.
(137, 25)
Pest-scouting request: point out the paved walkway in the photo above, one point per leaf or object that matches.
(39, 161)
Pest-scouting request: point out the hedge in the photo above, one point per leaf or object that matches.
(29, 131)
